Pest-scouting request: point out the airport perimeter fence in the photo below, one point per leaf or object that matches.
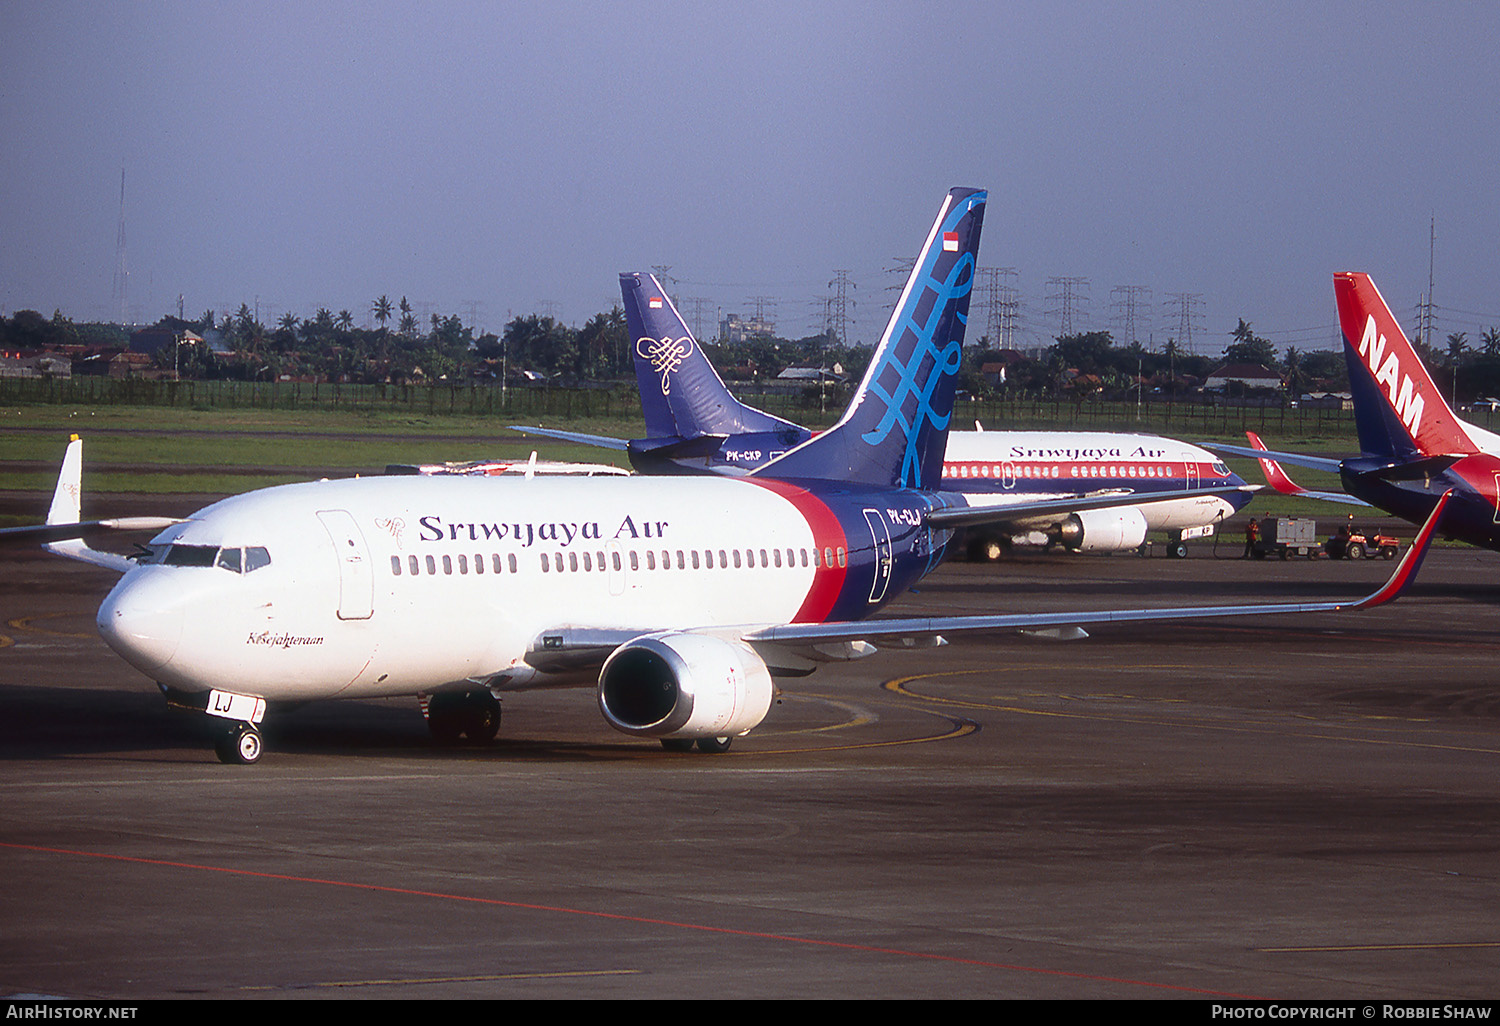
(1195, 418)
(457, 399)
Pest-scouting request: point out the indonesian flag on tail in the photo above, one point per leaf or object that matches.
(950, 242)
(654, 302)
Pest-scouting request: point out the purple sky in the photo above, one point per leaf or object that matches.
(503, 159)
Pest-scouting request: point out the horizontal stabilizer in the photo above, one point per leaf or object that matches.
(601, 441)
(675, 448)
(1297, 459)
(1280, 480)
(64, 534)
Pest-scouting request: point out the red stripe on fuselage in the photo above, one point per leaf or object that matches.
(828, 535)
(1016, 471)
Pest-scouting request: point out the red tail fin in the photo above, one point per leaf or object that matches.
(1397, 406)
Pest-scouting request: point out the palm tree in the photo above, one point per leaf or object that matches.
(1491, 339)
(344, 321)
(1293, 371)
(381, 308)
(1458, 344)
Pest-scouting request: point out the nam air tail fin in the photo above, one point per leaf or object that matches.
(1399, 411)
(896, 428)
(682, 395)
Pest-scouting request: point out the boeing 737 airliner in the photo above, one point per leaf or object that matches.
(1122, 485)
(678, 598)
(1413, 448)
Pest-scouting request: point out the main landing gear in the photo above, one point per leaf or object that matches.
(473, 716)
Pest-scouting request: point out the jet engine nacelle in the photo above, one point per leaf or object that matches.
(1104, 530)
(684, 686)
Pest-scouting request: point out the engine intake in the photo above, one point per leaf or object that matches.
(684, 686)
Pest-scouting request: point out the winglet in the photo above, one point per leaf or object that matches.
(1275, 476)
(1406, 570)
(67, 499)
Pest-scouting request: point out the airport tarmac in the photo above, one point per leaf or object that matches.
(1302, 807)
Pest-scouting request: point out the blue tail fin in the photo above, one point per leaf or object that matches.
(681, 393)
(896, 429)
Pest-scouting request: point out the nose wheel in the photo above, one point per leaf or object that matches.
(240, 745)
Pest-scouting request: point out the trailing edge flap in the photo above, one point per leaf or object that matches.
(1000, 513)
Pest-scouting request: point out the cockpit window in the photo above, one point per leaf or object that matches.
(232, 558)
(1220, 469)
(191, 555)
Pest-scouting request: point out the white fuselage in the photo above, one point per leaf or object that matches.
(1000, 467)
(397, 585)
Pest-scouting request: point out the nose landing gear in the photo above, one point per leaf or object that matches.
(240, 745)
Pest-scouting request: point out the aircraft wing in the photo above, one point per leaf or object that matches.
(999, 513)
(1278, 478)
(602, 441)
(914, 631)
(794, 649)
(64, 534)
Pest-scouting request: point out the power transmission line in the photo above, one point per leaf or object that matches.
(1183, 312)
(1067, 298)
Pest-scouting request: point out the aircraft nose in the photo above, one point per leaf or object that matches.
(142, 621)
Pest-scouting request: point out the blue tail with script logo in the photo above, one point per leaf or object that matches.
(895, 431)
(682, 395)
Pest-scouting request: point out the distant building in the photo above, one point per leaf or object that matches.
(18, 364)
(154, 339)
(1250, 375)
(811, 375)
(734, 328)
(1327, 400)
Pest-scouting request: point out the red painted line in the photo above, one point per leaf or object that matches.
(828, 536)
(754, 934)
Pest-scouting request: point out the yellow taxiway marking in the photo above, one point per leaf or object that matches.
(959, 730)
(899, 686)
(24, 623)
